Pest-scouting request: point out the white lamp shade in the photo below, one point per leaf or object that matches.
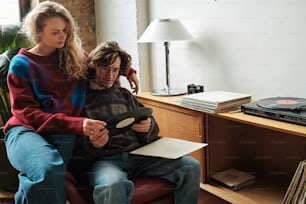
(165, 30)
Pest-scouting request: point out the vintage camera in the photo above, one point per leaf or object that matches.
(192, 88)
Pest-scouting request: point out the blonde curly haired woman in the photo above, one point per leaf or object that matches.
(47, 84)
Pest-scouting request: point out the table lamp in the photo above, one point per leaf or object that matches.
(166, 30)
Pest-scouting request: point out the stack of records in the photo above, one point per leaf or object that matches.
(215, 101)
(296, 193)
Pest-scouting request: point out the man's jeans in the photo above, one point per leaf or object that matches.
(41, 162)
(109, 176)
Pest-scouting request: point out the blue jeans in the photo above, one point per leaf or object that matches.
(109, 177)
(41, 162)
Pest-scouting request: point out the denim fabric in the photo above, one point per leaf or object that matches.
(42, 164)
(109, 177)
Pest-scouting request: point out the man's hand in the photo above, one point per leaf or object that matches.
(142, 126)
(96, 131)
(100, 139)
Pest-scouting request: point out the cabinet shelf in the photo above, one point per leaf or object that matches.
(264, 190)
(279, 126)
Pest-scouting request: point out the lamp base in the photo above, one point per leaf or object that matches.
(168, 92)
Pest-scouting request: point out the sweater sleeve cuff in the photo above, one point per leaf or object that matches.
(76, 125)
(130, 71)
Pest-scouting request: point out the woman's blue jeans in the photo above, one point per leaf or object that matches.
(41, 161)
(109, 176)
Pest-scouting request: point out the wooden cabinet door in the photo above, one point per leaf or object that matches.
(179, 122)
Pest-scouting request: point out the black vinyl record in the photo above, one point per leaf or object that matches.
(123, 121)
(283, 103)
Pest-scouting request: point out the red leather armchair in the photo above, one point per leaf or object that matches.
(147, 190)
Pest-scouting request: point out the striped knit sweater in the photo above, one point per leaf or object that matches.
(104, 104)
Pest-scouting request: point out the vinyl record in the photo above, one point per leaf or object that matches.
(121, 122)
(283, 103)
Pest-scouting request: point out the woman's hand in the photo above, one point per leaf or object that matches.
(142, 126)
(96, 131)
(134, 82)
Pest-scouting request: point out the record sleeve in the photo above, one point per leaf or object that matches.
(171, 148)
(296, 192)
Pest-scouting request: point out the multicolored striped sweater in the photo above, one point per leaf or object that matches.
(42, 98)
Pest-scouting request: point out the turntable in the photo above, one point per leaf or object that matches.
(287, 109)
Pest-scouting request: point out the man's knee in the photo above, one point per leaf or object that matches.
(117, 192)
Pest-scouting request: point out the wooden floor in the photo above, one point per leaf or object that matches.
(205, 198)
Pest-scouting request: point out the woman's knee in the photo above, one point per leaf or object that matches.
(50, 169)
(31, 154)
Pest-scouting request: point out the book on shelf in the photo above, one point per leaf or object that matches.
(296, 192)
(215, 101)
(234, 179)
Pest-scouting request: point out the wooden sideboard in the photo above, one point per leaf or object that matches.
(269, 149)
(176, 121)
